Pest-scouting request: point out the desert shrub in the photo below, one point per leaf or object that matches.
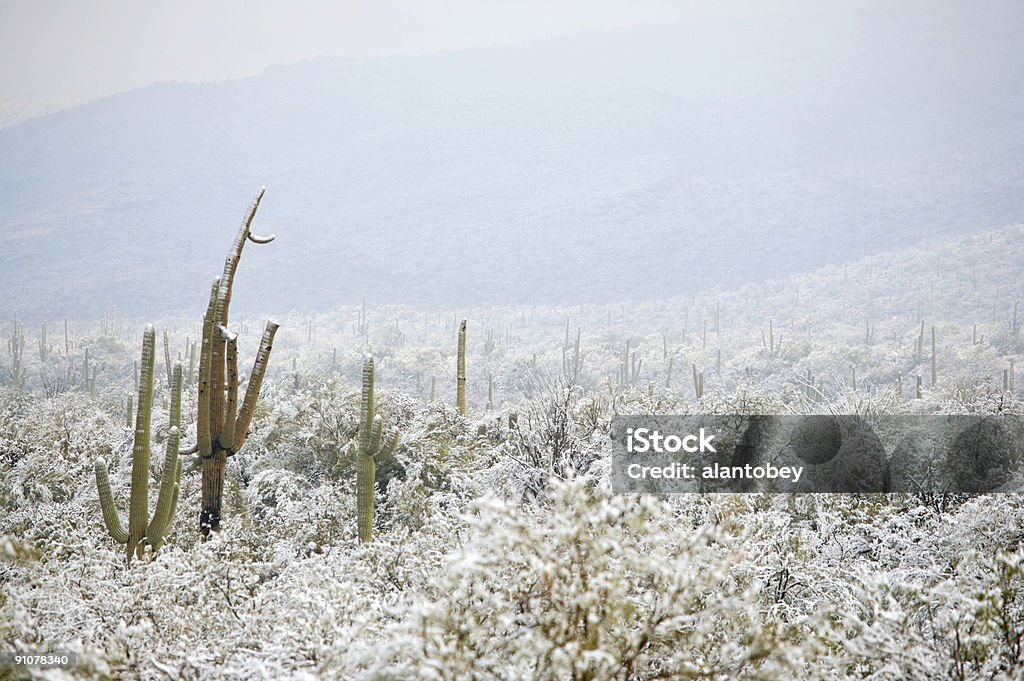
(591, 586)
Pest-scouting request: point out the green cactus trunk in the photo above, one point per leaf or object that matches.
(141, 530)
(371, 443)
(138, 512)
(365, 474)
(461, 371)
(221, 427)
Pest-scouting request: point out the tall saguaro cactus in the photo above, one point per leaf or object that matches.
(460, 376)
(17, 347)
(222, 427)
(371, 443)
(143, 531)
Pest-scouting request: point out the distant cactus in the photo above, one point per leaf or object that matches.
(85, 372)
(808, 386)
(460, 376)
(771, 348)
(489, 344)
(572, 367)
(16, 345)
(143, 531)
(221, 426)
(361, 328)
(192, 363)
(935, 372)
(44, 346)
(371, 444)
(167, 357)
(629, 372)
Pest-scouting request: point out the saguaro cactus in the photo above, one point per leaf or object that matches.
(44, 346)
(571, 368)
(460, 375)
(17, 348)
(143, 531)
(371, 444)
(221, 426)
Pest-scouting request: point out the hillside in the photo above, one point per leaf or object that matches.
(503, 518)
(627, 165)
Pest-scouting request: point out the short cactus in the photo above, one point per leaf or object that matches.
(44, 346)
(460, 375)
(143, 531)
(371, 444)
(571, 368)
(17, 348)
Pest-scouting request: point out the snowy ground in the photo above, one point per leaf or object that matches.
(499, 551)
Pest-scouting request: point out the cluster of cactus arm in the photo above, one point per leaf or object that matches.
(222, 427)
(142, 530)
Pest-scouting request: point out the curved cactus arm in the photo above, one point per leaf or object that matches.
(194, 449)
(161, 516)
(138, 512)
(160, 539)
(234, 255)
(177, 481)
(110, 517)
(349, 451)
(204, 440)
(227, 434)
(252, 392)
(376, 434)
(390, 444)
(261, 239)
(174, 508)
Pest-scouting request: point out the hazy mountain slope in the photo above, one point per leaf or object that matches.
(631, 164)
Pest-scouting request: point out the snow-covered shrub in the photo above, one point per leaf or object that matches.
(592, 586)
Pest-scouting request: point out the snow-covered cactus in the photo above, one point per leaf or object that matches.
(222, 427)
(371, 443)
(142, 530)
(571, 368)
(16, 346)
(461, 371)
(44, 347)
(489, 344)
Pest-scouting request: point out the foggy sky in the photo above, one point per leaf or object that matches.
(57, 53)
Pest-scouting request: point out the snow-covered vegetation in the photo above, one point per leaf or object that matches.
(499, 550)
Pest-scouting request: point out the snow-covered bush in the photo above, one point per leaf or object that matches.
(591, 586)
